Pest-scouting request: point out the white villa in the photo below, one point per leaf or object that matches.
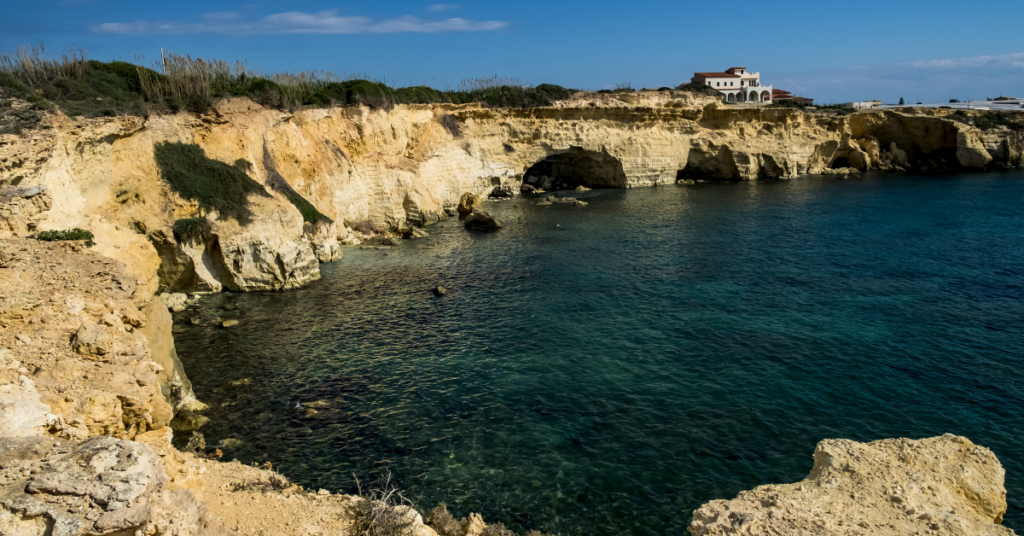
(737, 84)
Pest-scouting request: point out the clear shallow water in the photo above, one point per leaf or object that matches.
(607, 369)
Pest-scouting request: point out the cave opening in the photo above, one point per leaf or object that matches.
(576, 167)
(841, 162)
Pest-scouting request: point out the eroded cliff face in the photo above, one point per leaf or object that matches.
(86, 349)
(376, 170)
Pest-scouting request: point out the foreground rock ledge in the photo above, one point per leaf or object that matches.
(940, 485)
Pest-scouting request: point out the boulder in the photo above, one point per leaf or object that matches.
(482, 221)
(93, 340)
(970, 151)
(467, 204)
(100, 486)
(229, 322)
(175, 301)
(891, 487)
(504, 191)
(582, 188)
(188, 421)
(440, 291)
(527, 188)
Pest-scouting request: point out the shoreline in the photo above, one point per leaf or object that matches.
(100, 175)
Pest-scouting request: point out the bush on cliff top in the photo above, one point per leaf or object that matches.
(216, 186)
(96, 89)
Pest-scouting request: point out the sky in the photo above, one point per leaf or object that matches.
(831, 51)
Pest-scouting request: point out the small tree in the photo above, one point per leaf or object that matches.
(901, 100)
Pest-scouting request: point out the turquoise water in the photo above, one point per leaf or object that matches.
(606, 369)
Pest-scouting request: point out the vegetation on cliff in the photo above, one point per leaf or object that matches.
(81, 87)
(990, 121)
(70, 234)
(195, 230)
(216, 186)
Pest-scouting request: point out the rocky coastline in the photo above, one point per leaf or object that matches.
(90, 382)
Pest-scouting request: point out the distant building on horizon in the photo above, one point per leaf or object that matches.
(737, 84)
(862, 105)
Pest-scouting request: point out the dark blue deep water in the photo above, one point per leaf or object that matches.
(606, 369)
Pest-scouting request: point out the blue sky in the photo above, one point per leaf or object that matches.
(832, 51)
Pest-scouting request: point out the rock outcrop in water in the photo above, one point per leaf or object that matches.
(897, 487)
(373, 171)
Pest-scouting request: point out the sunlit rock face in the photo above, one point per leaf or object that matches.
(372, 171)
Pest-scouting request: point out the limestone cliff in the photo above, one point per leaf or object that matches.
(86, 349)
(381, 170)
(890, 487)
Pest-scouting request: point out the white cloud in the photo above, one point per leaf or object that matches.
(297, 22)
(443, 7)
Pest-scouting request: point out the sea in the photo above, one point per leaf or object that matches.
(607, 369)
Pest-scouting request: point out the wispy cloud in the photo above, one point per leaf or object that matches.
(443, 7)
(297, 22)
(1015, 60)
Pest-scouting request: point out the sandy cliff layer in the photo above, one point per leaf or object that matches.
(376, 170)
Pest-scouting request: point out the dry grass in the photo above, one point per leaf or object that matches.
(383, 511)
(31, 66)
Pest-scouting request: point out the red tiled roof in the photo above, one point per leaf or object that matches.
(717, 75)
(744, 68)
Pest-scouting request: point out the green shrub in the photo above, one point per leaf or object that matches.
(195, 230)
(198, 104)
(214, 185)
(71, 234)
(421, 95)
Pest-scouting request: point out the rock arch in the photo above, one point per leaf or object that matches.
(576, 167)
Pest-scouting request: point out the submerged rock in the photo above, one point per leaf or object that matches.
(416, 232)
(440, 291)
(891, 487)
